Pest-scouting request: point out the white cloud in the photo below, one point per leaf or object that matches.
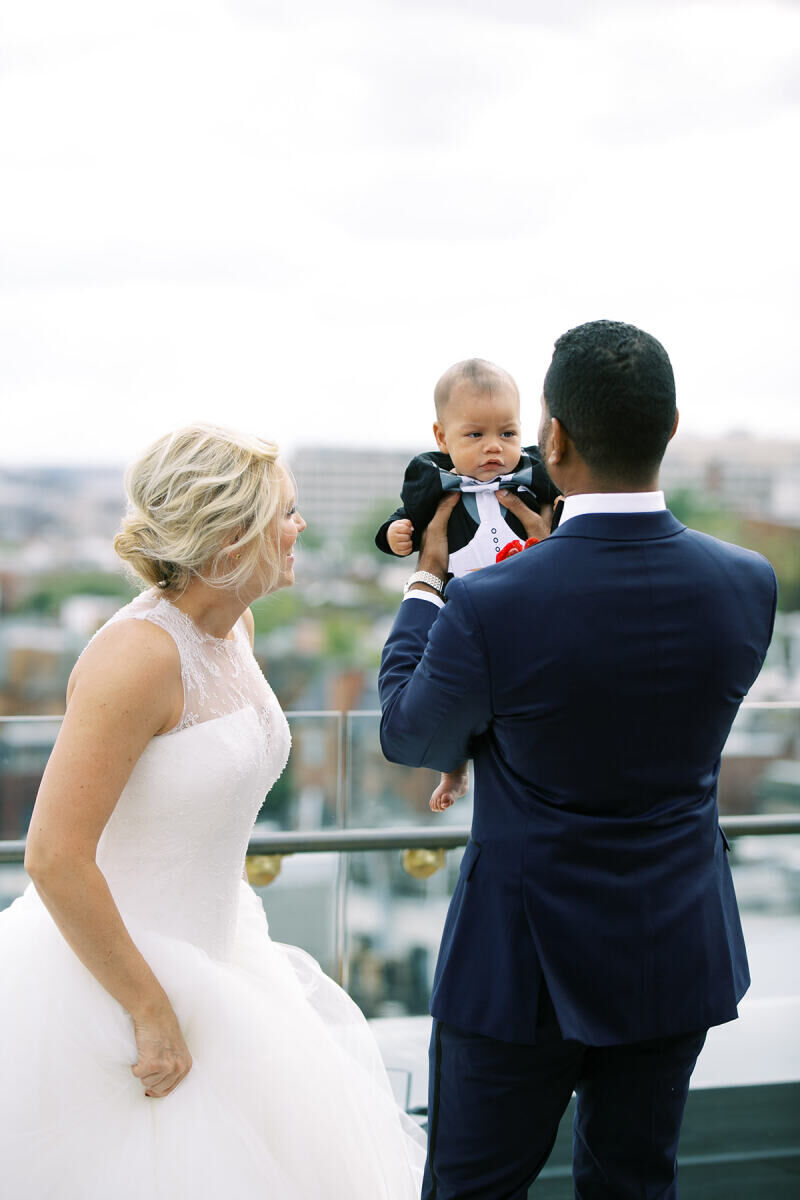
(294, 216)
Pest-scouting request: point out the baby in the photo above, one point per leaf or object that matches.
(506, 493)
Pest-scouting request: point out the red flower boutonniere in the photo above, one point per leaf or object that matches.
(510, 548)
(515, 547)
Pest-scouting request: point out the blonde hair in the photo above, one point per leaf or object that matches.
(191, 496)
(484, 377)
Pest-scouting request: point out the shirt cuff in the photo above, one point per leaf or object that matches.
(418, 594)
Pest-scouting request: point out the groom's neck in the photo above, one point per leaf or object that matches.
(579, 480)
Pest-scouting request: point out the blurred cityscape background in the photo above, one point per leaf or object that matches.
(319, 644)
(302, 218)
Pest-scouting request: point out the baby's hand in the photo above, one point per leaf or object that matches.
(452, 786)
(398, 535)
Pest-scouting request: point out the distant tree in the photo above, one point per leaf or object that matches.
(698, 512)
(50, 591)
(343, 633)
(309, 539)
(361, 539)
(277, 609)
(782, 547)
(779, 544)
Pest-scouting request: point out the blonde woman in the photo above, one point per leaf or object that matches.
(153, 1040)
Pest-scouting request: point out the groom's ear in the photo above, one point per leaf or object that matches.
(557, 442)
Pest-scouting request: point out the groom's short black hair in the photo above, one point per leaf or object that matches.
(612, 388)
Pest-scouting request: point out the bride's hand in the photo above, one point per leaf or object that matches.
(164, 1058)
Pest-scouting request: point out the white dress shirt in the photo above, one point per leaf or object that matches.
(611, 502)
(419, 594)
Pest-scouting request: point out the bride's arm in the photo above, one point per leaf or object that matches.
(125, 689)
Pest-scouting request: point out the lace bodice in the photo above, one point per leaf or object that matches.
(174, 848)
(219, 675)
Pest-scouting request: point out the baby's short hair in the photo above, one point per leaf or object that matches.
(484, 377)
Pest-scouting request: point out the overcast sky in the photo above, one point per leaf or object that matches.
(293, 216)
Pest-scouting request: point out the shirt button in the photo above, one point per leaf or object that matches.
(494, 531)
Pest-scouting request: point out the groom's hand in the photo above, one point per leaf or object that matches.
(536, 525)
(433, 552)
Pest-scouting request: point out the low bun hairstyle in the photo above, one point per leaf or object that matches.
(203, 501)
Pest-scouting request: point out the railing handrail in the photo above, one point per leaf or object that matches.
(44, 718)
(336, 713)
(415, 837)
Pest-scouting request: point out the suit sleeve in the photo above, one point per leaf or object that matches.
(774, 605)
(434, 683)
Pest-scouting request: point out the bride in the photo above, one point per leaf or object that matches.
(153, 1040)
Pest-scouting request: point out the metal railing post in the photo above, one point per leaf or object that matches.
(342, 870)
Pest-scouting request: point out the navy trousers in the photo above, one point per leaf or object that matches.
(494, 1110)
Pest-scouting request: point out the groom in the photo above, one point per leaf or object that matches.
(593, 936)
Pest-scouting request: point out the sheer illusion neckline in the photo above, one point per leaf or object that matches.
(192, 627)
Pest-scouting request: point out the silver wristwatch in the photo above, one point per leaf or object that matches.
(425, 577)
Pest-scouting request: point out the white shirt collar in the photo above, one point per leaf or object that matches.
(611, 502)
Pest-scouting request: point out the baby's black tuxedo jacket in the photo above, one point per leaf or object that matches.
(429, 476)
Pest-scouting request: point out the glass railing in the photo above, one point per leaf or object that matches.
(353, 866)
(372, 915)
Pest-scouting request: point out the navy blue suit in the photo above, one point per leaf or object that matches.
(593, 680)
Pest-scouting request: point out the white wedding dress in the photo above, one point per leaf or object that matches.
(287, 1098)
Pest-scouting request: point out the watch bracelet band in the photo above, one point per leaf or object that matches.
(425, 577)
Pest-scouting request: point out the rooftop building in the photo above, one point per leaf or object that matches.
(748, 475)
(339, 487)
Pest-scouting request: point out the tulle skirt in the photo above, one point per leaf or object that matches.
(287, 1098)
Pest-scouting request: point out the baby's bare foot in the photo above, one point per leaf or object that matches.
(452, 786)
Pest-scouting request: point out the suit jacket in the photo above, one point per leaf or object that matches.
(429, 476)
(593, 680)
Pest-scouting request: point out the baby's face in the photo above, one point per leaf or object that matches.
(481, 430)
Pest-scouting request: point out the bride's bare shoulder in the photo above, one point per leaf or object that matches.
(131, 653)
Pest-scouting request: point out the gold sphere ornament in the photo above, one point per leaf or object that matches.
(421, 864)
(263, 868)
